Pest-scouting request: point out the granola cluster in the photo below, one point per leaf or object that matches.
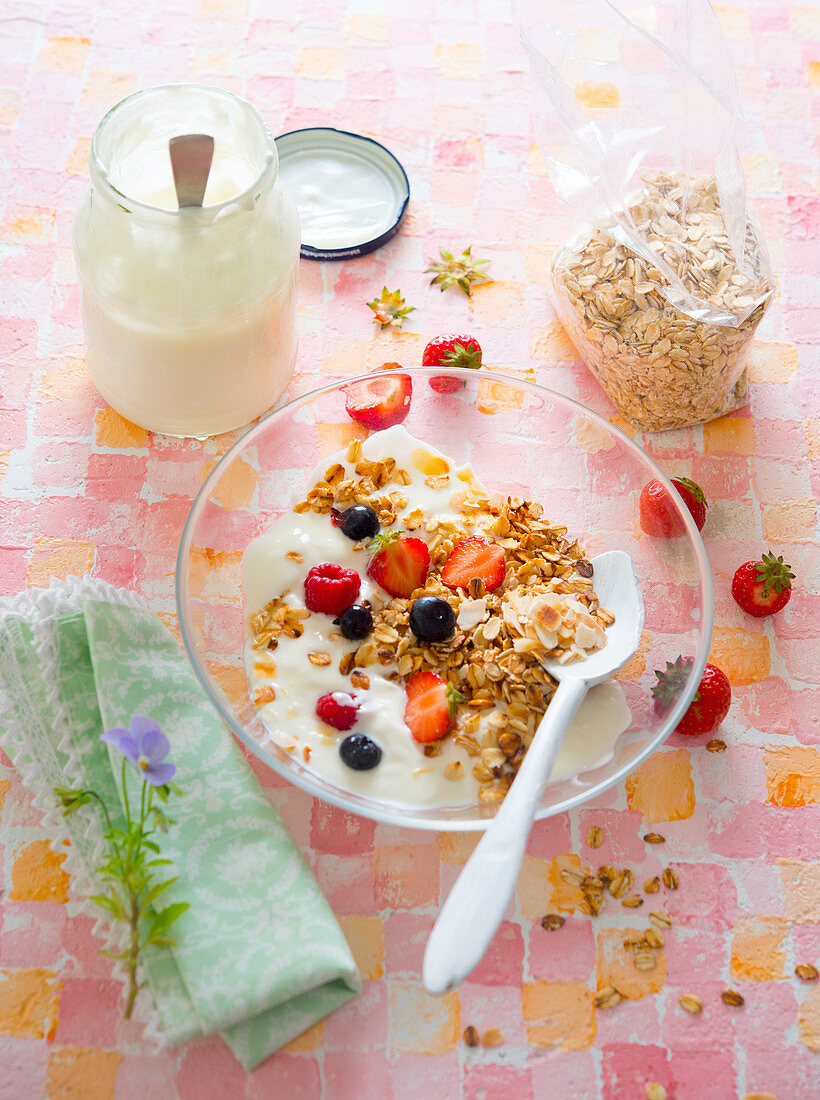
(545, 607)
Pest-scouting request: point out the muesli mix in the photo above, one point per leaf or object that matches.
(463, 609)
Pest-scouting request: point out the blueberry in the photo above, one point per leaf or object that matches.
(356, 622)
(359, 522)
(432, 619)
(359, 752)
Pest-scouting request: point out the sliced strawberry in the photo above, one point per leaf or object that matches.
(398, 564)
(380, 401)
(474, 557)
(431, 706)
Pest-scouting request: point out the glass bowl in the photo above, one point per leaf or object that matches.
(521, 439)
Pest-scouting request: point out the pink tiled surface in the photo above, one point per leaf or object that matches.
(82, 491)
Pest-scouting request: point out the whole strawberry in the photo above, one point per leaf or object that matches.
(658, 515)
(451, 351)
(763, 587)
(710, 704)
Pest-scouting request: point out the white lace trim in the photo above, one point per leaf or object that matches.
(40, 607)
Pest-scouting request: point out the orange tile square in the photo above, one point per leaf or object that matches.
(61, 558)
(559, 1014)
(615, 964)
(743, 655)
(365, 935)
(772, 362)
(320, 62)
(31, 224)
(236, 486)
(790, 520)
(37, 874)
(113, 430)
(421, 1023)
(729, 435)
(29, 1003)
(406, 875)
(661, 788)
(215, 574)
(801, 890)
(64, 55)
(759, 948)
(594, 94)
(792, 775)
(459, 60)
(456, 847)
(82, 1073)
(103, 88)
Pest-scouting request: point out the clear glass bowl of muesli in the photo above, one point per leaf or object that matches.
(369, 578)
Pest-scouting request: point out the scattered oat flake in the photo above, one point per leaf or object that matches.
(607, 998)
(654, 838)
(632, 901)
(652, 885)
(806, 972)
(690, 1002)
(645, 960)
(595, 837)
(471, 1036)
(716, 745)
(492, 1037)
(670, 878)
(732, 997)
(660, 920)
(551, 922)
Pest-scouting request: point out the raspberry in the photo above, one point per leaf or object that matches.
(335, 711)
(331, 589)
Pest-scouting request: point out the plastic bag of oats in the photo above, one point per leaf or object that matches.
(664, 276)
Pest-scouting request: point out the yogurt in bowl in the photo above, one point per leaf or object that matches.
(514, 585)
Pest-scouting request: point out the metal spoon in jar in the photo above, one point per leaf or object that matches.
(191, 157)
(476, 904)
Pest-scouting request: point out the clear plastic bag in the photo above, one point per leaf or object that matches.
(665, 275)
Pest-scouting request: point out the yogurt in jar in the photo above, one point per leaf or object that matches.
(189, 315)
(286, 682)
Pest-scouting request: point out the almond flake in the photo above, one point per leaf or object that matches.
(806, 972)
(654, 838)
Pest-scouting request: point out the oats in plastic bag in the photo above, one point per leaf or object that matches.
(663, 281)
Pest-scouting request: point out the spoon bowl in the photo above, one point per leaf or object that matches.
(476, 904)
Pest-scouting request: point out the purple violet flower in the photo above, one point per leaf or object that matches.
(146, 746)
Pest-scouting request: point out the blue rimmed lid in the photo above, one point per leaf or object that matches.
(351, 192)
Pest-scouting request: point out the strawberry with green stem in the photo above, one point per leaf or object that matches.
(764, 587)
(710, 704)
(451, 351)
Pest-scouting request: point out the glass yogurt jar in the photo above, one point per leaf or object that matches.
(188, 313)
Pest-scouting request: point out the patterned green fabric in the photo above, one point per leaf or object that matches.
(260, 956)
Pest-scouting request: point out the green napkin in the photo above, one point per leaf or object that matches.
(260, 956)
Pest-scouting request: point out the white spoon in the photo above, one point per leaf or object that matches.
(477, 902)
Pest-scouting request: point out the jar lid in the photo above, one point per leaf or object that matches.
(351, 192)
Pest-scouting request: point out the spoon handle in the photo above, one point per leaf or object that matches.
(476, 904)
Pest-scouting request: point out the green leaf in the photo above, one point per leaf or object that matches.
(109, 902)
(160, 941)
(166, 917)
(158, 863)
(155, 891)
(150, 844)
